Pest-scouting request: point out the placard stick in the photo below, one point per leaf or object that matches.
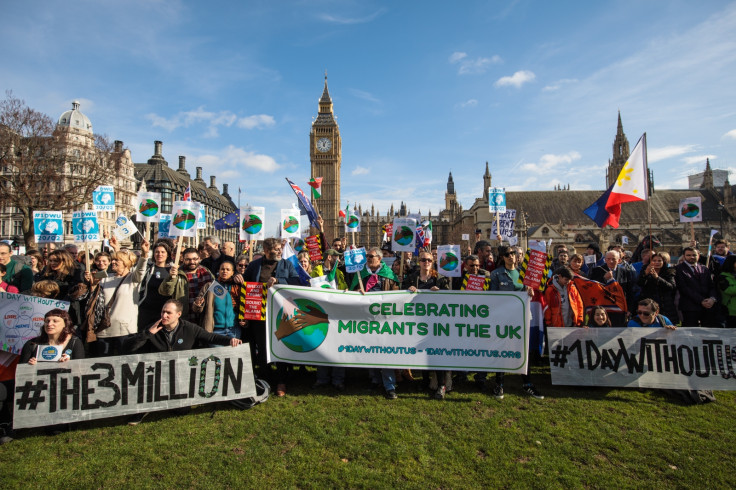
(148, 231)
(178, 251)
(86, 249)
(401, 268)
(251, 246)
(692, 233)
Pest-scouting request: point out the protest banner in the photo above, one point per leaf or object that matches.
(202, 219)
(505, 222)
(534, 269)
(453, 330)
(686, 358)
(89, 389)
(691, 210)
(290, 223)
(48, 226)
(22, 318)
(496, 200)
(355, 259)
(352, 220)
(475, 282)
(103, 198)
(252, 301)
(448, 261)
(251, 223)
(85, 226)
(184, 215)
(403, 238)
(314, 247)
(148, 207)
(125, 228)
(164, 226)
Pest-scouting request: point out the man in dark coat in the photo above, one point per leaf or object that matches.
(697, 291)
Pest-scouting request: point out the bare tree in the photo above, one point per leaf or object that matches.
(44, 168)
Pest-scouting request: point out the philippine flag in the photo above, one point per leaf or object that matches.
(631, 185)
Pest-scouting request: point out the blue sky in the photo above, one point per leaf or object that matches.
(419, 88)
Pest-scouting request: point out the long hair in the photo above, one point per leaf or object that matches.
(66, 265)
(68, 326)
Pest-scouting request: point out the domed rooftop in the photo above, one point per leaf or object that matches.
(75, 119)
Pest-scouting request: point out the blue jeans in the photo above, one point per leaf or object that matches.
(338, 375)
(232, 332)
(389, 379)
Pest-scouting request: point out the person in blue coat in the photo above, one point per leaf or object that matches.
(270, 269)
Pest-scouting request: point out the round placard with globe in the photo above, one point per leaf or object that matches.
(306, 329)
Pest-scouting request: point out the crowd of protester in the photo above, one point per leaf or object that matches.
(138, 301)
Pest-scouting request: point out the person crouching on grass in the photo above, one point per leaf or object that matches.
(171, 333)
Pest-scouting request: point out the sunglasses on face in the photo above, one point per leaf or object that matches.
(509, 254)
(425, 260)
(370, 256)
(644, 313)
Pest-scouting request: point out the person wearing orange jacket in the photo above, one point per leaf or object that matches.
(564, 305)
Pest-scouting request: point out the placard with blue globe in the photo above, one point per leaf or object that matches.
(306, 329)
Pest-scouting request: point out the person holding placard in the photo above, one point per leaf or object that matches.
(426, 278)
(270, 269)
(118, 295)
(506, 278)
(56, 343)
(151, 299)
(58, 333)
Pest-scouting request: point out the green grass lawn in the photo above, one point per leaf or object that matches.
(576, 437)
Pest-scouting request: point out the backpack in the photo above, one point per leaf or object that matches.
(262, 391)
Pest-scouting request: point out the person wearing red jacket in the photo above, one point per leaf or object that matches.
(564, 307)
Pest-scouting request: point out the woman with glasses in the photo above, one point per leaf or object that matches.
(657, 282)
(647, 315)
(151, 300)
(506, 278)
(426, 278)
(220, 314)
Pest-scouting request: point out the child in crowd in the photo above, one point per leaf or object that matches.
(4, 286)
(598, 318)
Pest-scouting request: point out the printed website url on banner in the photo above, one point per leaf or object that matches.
(377, 349)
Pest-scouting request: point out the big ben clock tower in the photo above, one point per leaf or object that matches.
(325, 153)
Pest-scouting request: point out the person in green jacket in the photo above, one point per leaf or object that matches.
(727, 286)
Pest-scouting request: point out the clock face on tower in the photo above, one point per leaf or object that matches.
(324, 145)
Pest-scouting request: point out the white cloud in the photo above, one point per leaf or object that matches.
(336, 19)
(516, 80)
(657, 154)
(361, 94)
(457, 56)
(212, 119)
(731, 134)
(257, 121)
(550, 163)
(472, 66)
(698, 159)
(360, 171)
(558, 84)
(238, 157)
(469, 103)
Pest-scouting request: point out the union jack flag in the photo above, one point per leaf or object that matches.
(188, 193)
(304, 204)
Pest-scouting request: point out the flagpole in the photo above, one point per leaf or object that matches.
(649, 197)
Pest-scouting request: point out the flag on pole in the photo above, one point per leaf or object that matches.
(631, 185)
(188, 193)
(344, 212)
(289, 254)
(304, 204)
(316, 184)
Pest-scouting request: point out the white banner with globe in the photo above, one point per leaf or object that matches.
(452, 330)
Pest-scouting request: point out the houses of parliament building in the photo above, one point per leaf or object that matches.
(555, 215)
